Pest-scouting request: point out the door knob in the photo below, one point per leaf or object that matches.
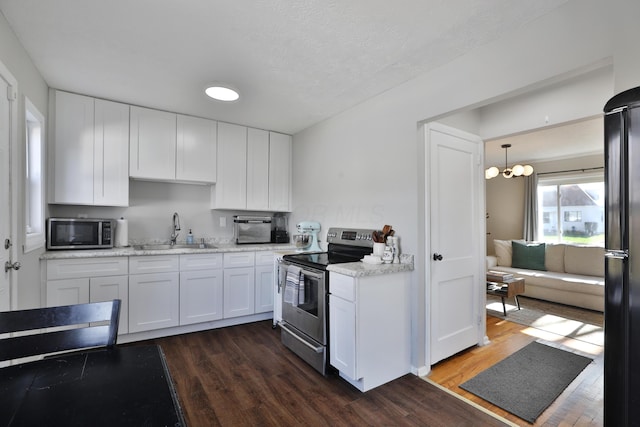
(437, 257)
(9, 265)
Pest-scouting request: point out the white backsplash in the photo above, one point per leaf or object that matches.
(151, 208)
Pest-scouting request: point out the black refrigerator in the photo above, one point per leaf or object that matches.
(622, 269)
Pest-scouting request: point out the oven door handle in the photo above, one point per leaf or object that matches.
(311, 274)
(294, 335)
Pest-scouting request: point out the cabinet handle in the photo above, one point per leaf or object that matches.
(437, 257)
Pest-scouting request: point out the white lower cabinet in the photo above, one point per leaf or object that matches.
(109, 288)
(154, 292)
(264, 282)
(239, 298)
(201, 286)
(369, 328)
(83, 280)
(165, 291)
(153, 301)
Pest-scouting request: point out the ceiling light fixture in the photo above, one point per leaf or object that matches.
(517, 170)
(222, 92)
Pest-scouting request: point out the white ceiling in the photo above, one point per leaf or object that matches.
(571, 140)
(295, 63)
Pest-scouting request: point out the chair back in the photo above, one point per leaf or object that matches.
(76, 327)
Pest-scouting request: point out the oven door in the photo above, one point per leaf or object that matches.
(304, 326)
(307, 314)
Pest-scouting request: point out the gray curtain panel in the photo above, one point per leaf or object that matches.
(530, 231)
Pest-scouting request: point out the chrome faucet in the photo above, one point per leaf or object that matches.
(176, 228)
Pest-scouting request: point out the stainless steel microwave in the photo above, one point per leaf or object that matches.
(80, 233)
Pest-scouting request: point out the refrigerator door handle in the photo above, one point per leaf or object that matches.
(616, 253)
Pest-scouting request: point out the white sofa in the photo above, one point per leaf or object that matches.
(574, 274)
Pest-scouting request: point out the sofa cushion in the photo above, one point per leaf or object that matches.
(528, 255)
(584, 260)
(554, 257)
(503, 252)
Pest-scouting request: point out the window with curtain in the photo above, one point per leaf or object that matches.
(571, 208)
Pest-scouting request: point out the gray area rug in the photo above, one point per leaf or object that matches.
(572, 322)
(529, 380)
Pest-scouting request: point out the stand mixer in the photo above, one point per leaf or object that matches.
(311, 228)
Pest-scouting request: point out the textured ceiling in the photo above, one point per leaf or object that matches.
(295, 62)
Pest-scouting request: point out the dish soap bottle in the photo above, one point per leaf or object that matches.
(190, 238)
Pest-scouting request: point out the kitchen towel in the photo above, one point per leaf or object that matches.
(122, 233)
(292, 285)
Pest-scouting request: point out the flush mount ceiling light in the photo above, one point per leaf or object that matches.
(507, 172)
(222, 92)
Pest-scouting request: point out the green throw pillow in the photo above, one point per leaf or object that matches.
(528, 255)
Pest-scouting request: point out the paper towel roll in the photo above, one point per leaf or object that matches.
(122, 233)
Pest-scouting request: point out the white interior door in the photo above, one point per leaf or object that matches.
(6, 92)
(455, 230)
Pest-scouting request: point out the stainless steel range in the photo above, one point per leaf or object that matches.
(305, 323)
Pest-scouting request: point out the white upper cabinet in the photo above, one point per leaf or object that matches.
(254, 170)
(111, 154)
(152, 144)
(280, 146)
(172, 147)
(257, 169)
(231, 183)
(196, 149)
(90, 151)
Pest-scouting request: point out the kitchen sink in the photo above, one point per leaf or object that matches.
(157, 247)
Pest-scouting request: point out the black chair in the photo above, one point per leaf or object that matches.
(81, 331)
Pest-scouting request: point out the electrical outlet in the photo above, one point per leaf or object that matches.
(223, 221)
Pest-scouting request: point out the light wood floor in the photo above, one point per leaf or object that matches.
(581, 404)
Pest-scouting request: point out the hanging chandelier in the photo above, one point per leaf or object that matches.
(507, 172)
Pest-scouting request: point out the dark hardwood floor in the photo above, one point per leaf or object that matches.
(581, 404)
(243, 376)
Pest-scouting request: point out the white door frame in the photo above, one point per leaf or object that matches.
(14, 167)
(424, 251)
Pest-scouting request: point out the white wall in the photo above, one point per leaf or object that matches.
(32, 85)
(364, 161)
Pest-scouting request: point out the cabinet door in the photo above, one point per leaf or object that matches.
(111, 154)
(67, 292)
(231, 182)
(257, 169)
(342, 335)
(110, 288)
(196, 149)
(264, 288)
(152, 144)
(153, 301)
(72, 156)
(279, 172)
(200, 296)
(239, 297)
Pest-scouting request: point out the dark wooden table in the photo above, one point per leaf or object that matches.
(507, 289)
(126, 386)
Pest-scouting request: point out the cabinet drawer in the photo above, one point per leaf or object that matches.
(86, 267)
(342, 286)
(153, 264)
(200, 262)
(239, 259)
(264, 258)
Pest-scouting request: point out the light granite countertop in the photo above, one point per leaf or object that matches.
(132, 251)
(361, 269)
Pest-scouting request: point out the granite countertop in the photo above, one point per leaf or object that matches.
(132, 251)
(361, 269)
